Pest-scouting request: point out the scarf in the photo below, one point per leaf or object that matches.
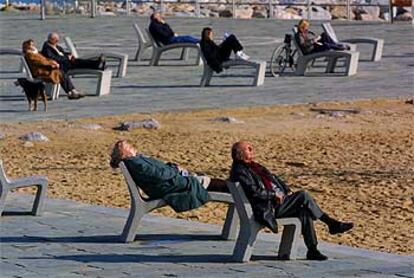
(262, 173)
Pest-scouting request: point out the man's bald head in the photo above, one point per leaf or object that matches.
(53, 38)
(242, 151)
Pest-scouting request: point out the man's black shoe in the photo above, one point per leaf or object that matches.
(315, 255)
(340, 227)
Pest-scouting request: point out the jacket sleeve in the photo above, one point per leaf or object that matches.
(49, 53)
(250, 187)
(285, 187)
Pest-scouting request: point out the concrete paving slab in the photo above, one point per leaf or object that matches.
(175, 85)
(164, 247)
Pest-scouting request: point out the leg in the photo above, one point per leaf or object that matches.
(190, 39)
(218, 185)
(66, 83)
(226, 47)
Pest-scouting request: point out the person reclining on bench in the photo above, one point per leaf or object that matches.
(47, 69)
(271, 198)
(310, 43)
(66, 60)
(166, 181)
(162, 32)
(217, 54)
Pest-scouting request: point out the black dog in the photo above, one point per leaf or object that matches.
(33, 91)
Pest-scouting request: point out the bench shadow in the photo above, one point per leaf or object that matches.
(16, 213)
(137, 258)
(180, 86)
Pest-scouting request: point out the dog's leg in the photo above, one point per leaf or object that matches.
(30, 104)
(35, 104)
(44, 98)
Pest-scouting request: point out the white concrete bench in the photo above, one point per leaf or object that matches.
(259, 66)
(121, 58)
(157, 50)
(6, 185)
(141, 206)
(52, 90)
(104, 78)
(249, 229)
(304, 62)
(377, 44)
(143, 43)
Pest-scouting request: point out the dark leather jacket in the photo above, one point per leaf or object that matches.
(262, 200)
(51, 53)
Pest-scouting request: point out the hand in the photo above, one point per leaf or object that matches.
(279, 197)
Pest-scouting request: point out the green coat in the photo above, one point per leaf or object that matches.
(160, 181)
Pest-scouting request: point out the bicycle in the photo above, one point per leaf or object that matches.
(283, 56)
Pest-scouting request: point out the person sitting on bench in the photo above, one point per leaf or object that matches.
(163, 34)
(47, 69)
(271, 198)
(310, 43)
(217, 54)
(66, 60)
(166, 181)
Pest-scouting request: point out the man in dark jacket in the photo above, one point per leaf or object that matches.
(163, 34)
(271, 198)
(165, 181)
(66, 60)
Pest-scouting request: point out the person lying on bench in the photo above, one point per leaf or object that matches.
(217, 54)
(47, 69)
(310, 43)
(52, 50)
(163, 34)
(166, 181)
(271, 198)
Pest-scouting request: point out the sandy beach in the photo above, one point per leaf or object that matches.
(358, 166)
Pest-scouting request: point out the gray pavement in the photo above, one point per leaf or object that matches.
(72, 239)
(175, 86)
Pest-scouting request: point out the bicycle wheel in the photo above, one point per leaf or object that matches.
(278, 61)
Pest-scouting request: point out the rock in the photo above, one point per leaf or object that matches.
(407, 16)
(295, 163)
(336, 114)
(367, 13)
(319, 116)
(244, 12)
(91, 126)
(28, 144)
(280, 13)
(319, 13)
(410, 101)
(2, 136)
(300, 114)
(229, 120)
(225, 13)
(339, 12)
(147, 123)
(34, 136)
(259, 13)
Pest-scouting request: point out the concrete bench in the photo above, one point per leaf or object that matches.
(259, 66)
(143, 43)
(121, 58)
(249, 229)
(304, 62)
(52, 90)
(157, 50)
(104, 78)
(377, 44)
(141, 206)
(6, 185)
(12, 51)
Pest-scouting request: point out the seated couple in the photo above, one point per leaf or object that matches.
(310, 43)
(269, 196)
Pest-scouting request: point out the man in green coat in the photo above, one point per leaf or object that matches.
(165, 181)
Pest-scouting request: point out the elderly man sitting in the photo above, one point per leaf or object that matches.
(165, 181)
(271, 198)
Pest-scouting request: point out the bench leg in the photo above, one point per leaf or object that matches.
(131, 225)
(3, 196)
(122, 67)
(229, 231)
(184, 54)
(260, 74)
(104, 83)
(245, 243)
(39, 199)
(207, 74)
(288, 244)
(377, 51)
(156, 56)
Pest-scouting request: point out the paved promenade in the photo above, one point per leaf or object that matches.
(77, 240)
(175, 86)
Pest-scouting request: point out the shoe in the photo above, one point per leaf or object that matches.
(73, 96)
(340, 227)
(315, 255)
(79, 93)
(240, 55)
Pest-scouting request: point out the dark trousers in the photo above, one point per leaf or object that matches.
(327, 44)
(84, 64)
(301, 204)
(231, 43)
(66, 83)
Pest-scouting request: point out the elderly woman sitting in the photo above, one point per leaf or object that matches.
(310, 43)
(165, 181)
(47, 69)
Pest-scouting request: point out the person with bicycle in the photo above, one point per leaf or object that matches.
(217, 54)
(310, 43)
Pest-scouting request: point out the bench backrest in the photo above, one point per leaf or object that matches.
(71, 47)
(132, 186)
(151, 38)
(141, 38)
(327, 28)
(244, 209)
(27, 69)
(295, 41)
(3, 178)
